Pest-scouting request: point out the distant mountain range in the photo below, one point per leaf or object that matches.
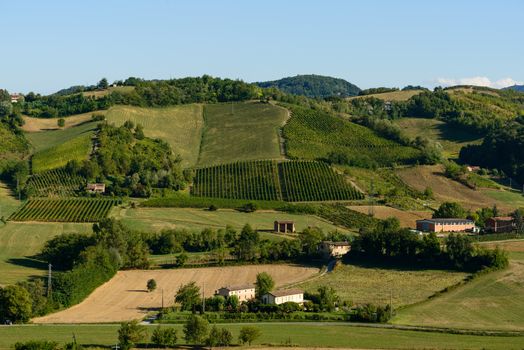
(312, 85)
(519, 88)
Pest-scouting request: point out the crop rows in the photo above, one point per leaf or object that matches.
(56, 182)
(312, 134)
(64, 210)
(304, 181)
(295, 181)
(256, 180)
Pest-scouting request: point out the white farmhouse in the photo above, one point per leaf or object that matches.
(244, 293)
(283, 296)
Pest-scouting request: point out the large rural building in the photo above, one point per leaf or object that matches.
(244, 293)
(500, 224)
(96, 188)
(334, 249)
(284, 296)
(445, 225)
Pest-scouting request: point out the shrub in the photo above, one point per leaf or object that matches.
(248, 334)
(165, 337)
(130, 333)
(151, 285)
(36, 345)
(195, 329)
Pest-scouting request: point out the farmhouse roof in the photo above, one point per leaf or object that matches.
(338, 244)
(501, 218)
(287, 292)
(447, 220)
(239, 287)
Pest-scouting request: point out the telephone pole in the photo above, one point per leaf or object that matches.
(49, 278)
(162, 299)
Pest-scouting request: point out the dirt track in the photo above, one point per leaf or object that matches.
(125, 296)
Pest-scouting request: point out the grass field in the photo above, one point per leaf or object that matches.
(8, 203)
(160, 218)
(302, 335)
(513, 199)
(51, 124)
(125, 296)
(100, 93)
(58, 156)
(392, 96)
(241, 131)
(407, 218)
(180, 126)
(362, 284)
(451, 138)
(44, 140)
(20, 241)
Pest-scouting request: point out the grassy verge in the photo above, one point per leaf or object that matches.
(301, 335)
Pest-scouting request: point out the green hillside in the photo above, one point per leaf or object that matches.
(43, 140)
(312, 134)
(77, 148)
(313, 86)
(12, 146)
(180, 126)
(241, 131)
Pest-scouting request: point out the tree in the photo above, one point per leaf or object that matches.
(61, 122)
(518, 217)
(139, 132)
(188, 296)
(450, 210)
(181, 259)
(248, 334)
(195, 329)
(151, 285)
(165, 337)
(459, 249)
(219, 337)
(264, 284)
(310, 238)
(130, 333)
(103, 84)
(15, 304)
(327, 297)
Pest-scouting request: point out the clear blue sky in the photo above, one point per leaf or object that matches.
(48, 45)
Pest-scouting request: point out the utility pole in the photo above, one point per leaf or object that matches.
(49, 277)
(204, 297)
(162, 299)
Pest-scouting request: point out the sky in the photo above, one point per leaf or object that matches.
(49, 45)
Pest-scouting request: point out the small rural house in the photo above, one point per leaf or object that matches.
(334, 249)
(96, 188)
(15, 98)
(283, 296)
(500, 224)
(284, 226)
(445, 225)
(244, 293)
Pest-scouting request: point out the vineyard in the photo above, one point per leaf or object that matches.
(56, 182)
(64, 210)
(312, 134)
(295, 181)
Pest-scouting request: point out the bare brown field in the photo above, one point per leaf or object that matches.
(392, 96)
(45, 124)
(447, 190)
(406, 218)
(125, 296)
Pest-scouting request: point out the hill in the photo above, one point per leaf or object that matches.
(519, 88)
(241, 131)
(402, 95)
(313, 85)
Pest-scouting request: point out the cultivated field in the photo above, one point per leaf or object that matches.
(50, 124)
(125, 296)
(294, 181)
(160, 218)
(58, 156)
(445, 189)
(54, 138)
(406, 218)
(275, 335)
(180, 126)
(20, 241)
(392, 96)
(494, 301)
(241, 131)
(361, 284)
(100, 93)
(451, 138)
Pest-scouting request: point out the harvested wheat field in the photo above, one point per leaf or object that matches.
(125, 296)
(406, 218)
(45, 124)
